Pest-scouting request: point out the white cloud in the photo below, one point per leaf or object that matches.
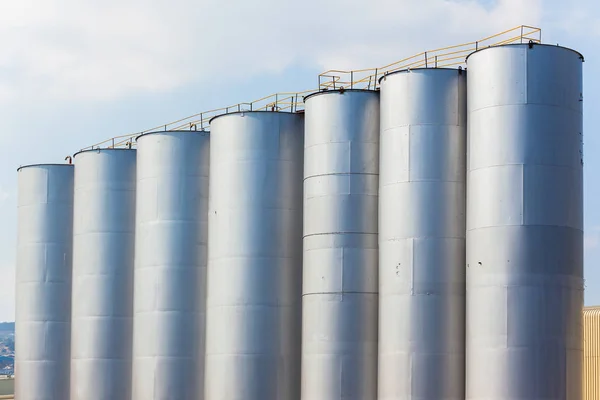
(591, 238)
(580, 18)
(73, 49)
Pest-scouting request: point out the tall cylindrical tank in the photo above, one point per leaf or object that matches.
(170, 265)
(103, 248)
(339, 302)
(255, 257)
(591, 353)
(422, 217)
(524, 223)
(43, 282)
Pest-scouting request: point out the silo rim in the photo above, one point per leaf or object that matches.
(254, 111)
(101, 149)
(166, 132)
(337, 91)
(419, 69)
(526, 44)
(44, 165)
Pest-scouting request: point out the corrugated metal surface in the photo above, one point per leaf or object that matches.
(170, 265)
(339, 321)
(422, 217)
(43, 282)
(524, 223)
(103, 246)
(591, 353)
(253, 309)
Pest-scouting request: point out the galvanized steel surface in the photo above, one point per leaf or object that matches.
(339, 324)
(255, 257)
(43, 282)
(170, 265)
(103, 253)
(591, 353)
(524, 224)
(422, 217)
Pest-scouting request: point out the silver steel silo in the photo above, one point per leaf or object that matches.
(43, 282)
(422, 217)
(524, 223)
(103, 253)
(255, 257)
(170, 265)
(339, 321)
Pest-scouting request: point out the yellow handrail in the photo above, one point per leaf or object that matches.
(436, 58)
(366, 78)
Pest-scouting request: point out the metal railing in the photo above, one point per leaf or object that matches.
(452, 56)
(286, 101)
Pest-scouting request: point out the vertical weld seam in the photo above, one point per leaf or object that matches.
(412, 266)
(342, 272)
(523, 194)
(408, 153)
(506, 316)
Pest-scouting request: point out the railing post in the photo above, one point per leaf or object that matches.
(521, 34)
(201, 122)
(436, 61)
(375, 83)
(351, 79)
(425, 59)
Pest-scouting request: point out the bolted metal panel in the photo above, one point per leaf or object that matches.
(339, 322)
(170, 265)
(255, 257)
(43, 282)
(524, 224)
(103, 254)
(422, 217)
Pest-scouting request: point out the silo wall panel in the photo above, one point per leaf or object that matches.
(170, 265)
(103, 255)
(43, 282)
(255, 257)
(422, 217)
(524, 223)
(339, 327)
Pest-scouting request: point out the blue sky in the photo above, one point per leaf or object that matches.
(73, 73)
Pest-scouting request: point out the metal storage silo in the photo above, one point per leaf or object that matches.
(524, 223)
(43, 282)
(339, 322)
(103, 253)
(170, 265)
(591, 353)
(422, 217)
(255, 257)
